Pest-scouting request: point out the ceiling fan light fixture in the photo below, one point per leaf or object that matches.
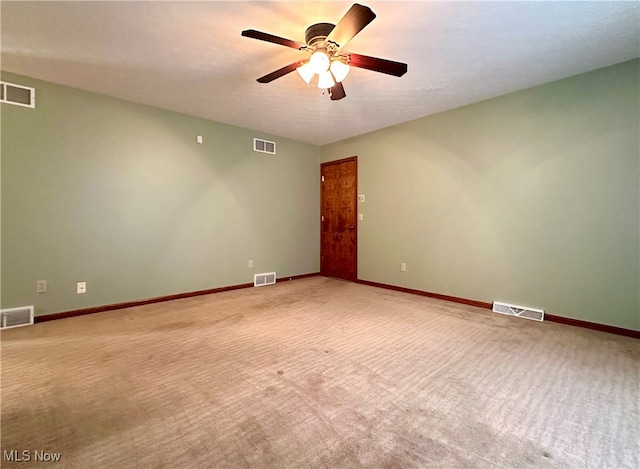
(340, 70)
(306, 72)
(325, 41)
(320, 62)
(326, 80)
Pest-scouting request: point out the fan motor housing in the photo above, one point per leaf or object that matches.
(317, 32)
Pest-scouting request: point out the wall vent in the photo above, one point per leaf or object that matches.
(260, 280)
(16, 317)
(264, 146)
(19, 95)
(519, 311)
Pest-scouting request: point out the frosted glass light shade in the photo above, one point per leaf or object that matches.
(340, 70)
(320, 62)
(326, 80)
(306, 72)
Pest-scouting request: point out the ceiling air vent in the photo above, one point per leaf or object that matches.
(15, 317)
(518, 311)
(264, 146)
(19, 95)
(260, 280)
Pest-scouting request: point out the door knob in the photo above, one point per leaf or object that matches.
(351, 227)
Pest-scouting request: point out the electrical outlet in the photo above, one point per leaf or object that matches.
(403, 267)
(251, 264)
(41, 286)
(81, 287)
(199, 139)
(361, 216)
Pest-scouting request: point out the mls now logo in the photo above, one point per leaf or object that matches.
(26, 455)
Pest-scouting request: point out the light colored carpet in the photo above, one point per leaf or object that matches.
(318, 373)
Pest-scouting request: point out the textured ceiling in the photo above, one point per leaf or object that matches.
(190, 57)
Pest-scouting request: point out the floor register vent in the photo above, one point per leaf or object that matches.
(260, 280)
(16, 317)
(519, 311)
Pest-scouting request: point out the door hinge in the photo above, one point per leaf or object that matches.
(322, 218)
(322, 178)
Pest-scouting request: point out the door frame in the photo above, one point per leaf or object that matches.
(355, 202)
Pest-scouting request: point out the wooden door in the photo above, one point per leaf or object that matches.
(338, 210)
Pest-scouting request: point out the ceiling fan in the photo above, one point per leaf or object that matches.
(324, 41)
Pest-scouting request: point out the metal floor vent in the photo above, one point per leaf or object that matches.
(16, 317)
(519, 311)
(260, 280)
(264, 146)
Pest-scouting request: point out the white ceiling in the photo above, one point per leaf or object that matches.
(190, 57)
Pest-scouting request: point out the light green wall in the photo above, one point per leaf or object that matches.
(530, 198)
(119, 195)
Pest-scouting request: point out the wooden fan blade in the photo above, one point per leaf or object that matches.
(252, 33)
(337, 92)
(389, 67)
(351, 24)
(280, 72)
